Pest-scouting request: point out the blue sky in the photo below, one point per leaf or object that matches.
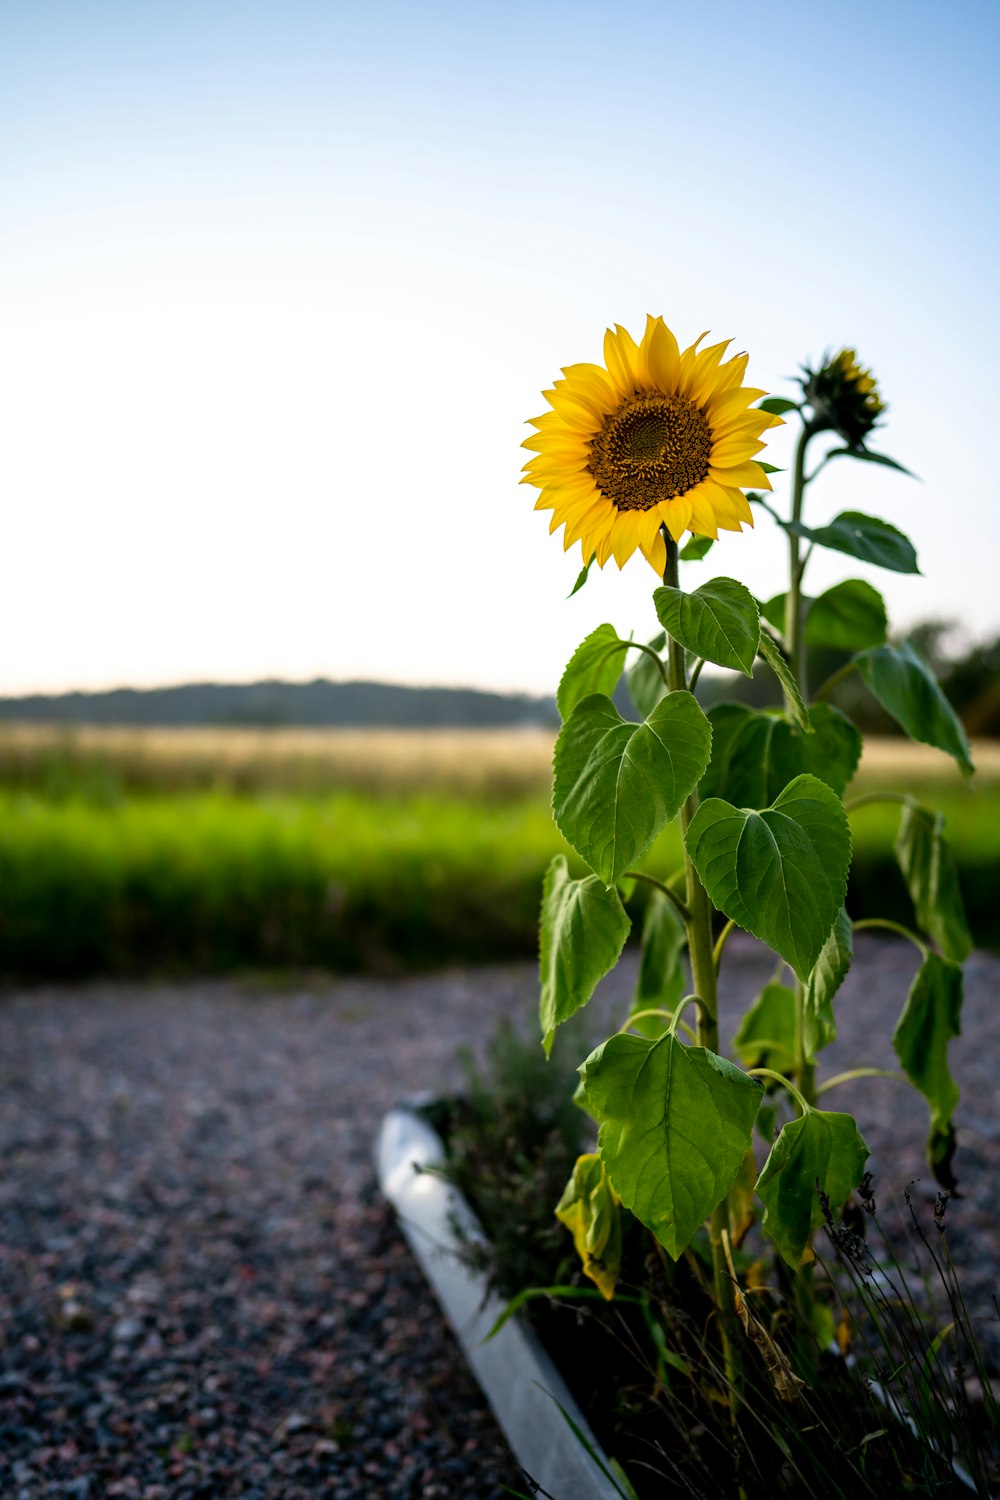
(282, 283)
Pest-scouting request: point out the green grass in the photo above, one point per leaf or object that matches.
(215, 881)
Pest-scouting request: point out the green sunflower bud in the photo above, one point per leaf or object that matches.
(844, 397)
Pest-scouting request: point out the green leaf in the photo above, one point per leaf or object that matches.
(866, 538)
(675, 1123)
(584, 927)
(828, 974)
(582, 576)
(868, 457)
(594, 667)
(589, 1209)
(617, 785)
(768, 468)
(755, 755)
(780, 873)
(662, 980)
(794, 706)
(819, 1148)
(719, 621)
(928, 867)
(848, 617)
(644, 678)
(931, 1016)
(766, 1035)
(906, 688)
(777, 405)
(696, 548)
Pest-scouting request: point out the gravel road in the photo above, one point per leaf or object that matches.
(201, 1294)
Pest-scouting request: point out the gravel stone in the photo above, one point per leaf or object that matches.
(201, 1292)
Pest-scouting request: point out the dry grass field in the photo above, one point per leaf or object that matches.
(494, 763)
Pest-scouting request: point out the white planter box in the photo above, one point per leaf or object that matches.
(513, 1369)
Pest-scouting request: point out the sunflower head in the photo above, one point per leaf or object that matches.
(844, 397)
(653, 437)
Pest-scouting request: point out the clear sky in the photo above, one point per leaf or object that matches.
(282, 281)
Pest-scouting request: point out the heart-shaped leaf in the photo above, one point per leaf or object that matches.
(780, 873)
(719, 621)
(589, 1209)
(906, 688)
(584, 927)
(821, 1150)
(849, 617)
(695, 548)
(617, 785)
(755, 755)
(594, 667)
(675, 1124)
(866, 538)
(928, 867)
(829, 971)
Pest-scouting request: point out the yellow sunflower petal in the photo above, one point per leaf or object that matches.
(676, 514)
(656, 554)
(621, 355)
(740, 476)
(703, 375)
(660, 359)
(624, 537)
(734, 450)
(578, 415)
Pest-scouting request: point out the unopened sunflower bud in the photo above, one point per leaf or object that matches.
(844, 397)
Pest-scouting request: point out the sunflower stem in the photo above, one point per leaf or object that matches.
(795, 647)
(704, 978)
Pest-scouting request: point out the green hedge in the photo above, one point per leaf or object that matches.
(216, 882)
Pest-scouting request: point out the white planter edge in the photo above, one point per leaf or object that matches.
(513, 1369)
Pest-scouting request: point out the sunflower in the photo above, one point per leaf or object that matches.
(653, 437)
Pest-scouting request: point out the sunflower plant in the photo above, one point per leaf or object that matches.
(634, 454)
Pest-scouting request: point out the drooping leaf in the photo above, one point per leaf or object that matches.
(675, 1123)
(718, 621)
(766, 1035)
(864, 537)
(594, 667)
(868, 457)
(755, 755)
(617, 785)
(780, 873)
(794, 706)
(828, 974)
(778, 405)
(906, 688)
(928, 867)
(583, 931)
(695, 548)
(582, 576)
(644, 678)
(819, 1151)
(930, 1018)
(662, 980)
(849, 617)
(589, 1209)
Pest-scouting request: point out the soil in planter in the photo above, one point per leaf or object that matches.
(647, 1369)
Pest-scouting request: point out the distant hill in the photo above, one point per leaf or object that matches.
(272, 704)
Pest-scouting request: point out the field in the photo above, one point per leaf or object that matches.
(125, 851)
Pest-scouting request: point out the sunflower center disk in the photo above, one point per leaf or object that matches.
(651, 448)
